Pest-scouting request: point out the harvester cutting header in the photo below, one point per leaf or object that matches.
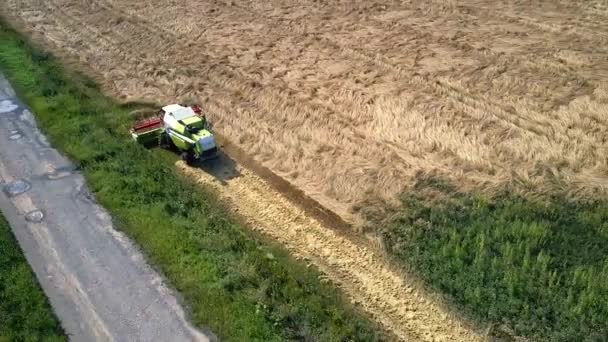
(181, 128)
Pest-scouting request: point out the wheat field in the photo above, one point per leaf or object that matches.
(352, 101)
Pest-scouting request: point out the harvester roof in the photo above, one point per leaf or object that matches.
(179, 112)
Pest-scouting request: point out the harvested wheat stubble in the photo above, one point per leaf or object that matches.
(356, 269)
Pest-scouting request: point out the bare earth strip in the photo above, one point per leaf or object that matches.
(358, 270)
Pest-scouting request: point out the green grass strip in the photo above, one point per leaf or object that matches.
(240, 287)
(25, 314)
(538, 267)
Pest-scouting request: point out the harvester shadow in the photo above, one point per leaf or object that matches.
(223, 168)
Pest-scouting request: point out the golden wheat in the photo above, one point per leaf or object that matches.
(350, 102)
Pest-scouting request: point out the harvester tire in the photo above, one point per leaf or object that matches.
(187, 157)
(166, 142)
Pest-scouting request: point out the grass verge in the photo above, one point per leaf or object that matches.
(539, 268)
(25, 314)
(235, 284)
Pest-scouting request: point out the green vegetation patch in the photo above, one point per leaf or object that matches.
(241, 288)
(538, 267)
(25, 314)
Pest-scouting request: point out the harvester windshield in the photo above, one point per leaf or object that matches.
(193, 129)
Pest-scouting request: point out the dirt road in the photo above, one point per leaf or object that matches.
(97, 281)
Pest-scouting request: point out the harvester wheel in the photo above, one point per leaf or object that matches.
(187, 157)
(166, 142)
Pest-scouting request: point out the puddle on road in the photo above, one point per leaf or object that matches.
(59, 173)
(15, 136)
(17, 187)
(34, 216)
(27, 117)
(42, 141)
(82, 193)
(7, 106)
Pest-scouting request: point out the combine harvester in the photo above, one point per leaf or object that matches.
(180, 128)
